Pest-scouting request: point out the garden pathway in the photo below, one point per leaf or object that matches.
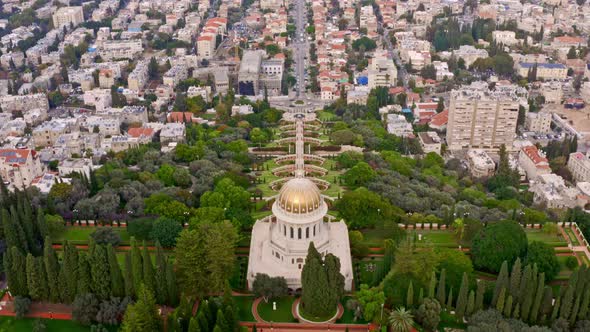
(579, 248)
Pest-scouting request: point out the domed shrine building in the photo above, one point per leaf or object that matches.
(280, 242)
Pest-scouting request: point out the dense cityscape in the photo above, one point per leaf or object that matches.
(303, 165)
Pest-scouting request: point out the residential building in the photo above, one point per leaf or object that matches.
(533, 162)
(430, 142)
(545, 71)
(398, 125)
(18, 167)
(78, 165)
(550, 191)
(482, 118)
(579, 166)
(479, 163)
(172, 132)
(138, 78)
(538, 122)
(20, 103)
(67, 16)
(382, 72)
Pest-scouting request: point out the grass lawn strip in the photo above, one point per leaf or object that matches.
(283, 312)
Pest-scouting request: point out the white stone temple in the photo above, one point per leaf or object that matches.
(279, 242)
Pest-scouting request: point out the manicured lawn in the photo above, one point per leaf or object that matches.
(283, 312)
(80, 234)
(364, 271)
(438, 238)
(572, 237)
(309, 317)
(555, 240)
(9, 324)
(244, 305)
(238, 278)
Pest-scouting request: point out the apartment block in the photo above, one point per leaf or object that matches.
(66, 16)
(538, 122)
(482, 118)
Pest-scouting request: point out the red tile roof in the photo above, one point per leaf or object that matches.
(440, 119)
(533, 153)
(141, 131)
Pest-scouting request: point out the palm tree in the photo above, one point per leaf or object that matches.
(401, 320)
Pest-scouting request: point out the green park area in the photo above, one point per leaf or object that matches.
(10, 324)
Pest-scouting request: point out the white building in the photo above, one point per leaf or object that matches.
(430, 142)
(480, 164)
(533, 162)
(398, 125)
(579, 165)
(382, 72)
(66, 16)
(538, 122)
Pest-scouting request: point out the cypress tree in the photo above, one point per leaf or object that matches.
(508, 307)
(470, 304)
(524, 283)
(515, 277)
(84, 277)
(161, 286)
(528, 297)
(13, 232)
(421, 296)
(501, 282)
(500, 301)
(230, 318)
(101, 276)
(193, 325)
(574, 314)
(481, 289)
(534, 314)
(44, 289)
(16, 272)
(462, 297)
(221, 322)
(315, 297)
(20, 219)
(450, 300)
(432, 286)
(33, 279)
(567, 300)
(136, 263)
(22, 235)
(172, 287)
(117, 282)
(585, 303)
(516, 311)
(128, 276)
(52, 269)
(70, 272)
(335, 280)
(202, 321)
(148, 269)
(410, 296)
(41, 224)
(441, 291)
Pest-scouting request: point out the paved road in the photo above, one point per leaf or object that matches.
(300, 47)
(402, 74)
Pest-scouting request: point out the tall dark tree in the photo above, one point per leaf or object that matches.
(101, 276)
(84, 276)
(117, 282)
(161, 265)
(52, 268)
(315, 297)
(16, 272)
(70, 272)
(148, 269)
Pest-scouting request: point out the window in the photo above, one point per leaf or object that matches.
(291, 231)
(307, 233)
(284, 230)
(313, 230)
(299, 233)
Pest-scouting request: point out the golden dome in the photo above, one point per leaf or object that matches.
(299, 195)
